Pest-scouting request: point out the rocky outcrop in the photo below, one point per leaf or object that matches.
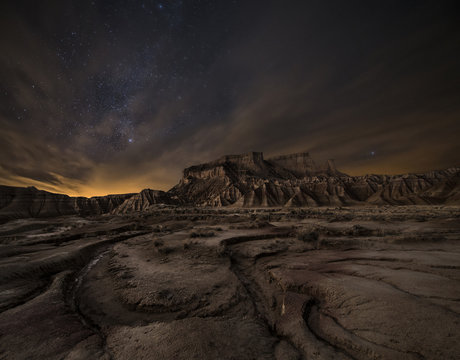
(99, 204)
(297, 180)
(143, 200)
(249, 180)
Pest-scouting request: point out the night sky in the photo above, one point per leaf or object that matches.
(101, 97)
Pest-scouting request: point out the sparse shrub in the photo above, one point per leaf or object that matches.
(126, 275)
(261, 224)
(165, 250)
(258, 224)
(158, 243)
(158, 228)
(221, 251)
(340, 218)
(202, 233)
(358, 230)
(308, 236)
(418, 238)
(382, 232)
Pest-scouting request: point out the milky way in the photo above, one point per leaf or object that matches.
(99, 97)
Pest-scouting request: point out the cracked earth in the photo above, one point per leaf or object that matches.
(178, 283)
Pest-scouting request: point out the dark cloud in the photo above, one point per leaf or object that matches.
(116, 96)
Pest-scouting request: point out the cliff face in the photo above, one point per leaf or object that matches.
(301, 164)
(296, 180)
(249, 180)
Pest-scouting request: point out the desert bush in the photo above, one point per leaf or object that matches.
(382, 232)
(308, 235)
(165, 250)
(418, 238)
(202, 233)
(222, 251)
(158, 228)
(158, 243)
(358, 230)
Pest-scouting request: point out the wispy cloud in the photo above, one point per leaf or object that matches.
(96, 102)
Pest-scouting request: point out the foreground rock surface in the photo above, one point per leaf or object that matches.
(185, 283)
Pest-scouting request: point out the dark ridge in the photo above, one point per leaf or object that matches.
(248, 180)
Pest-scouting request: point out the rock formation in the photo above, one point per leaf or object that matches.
(20, 202)
(249, 180)
(296, 180)
(301, 164)
(143, 200)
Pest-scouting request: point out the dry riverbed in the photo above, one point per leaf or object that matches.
(186, 283)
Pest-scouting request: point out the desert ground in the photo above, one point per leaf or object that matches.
(228, 283)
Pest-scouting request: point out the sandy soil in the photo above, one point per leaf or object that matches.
(178, 283)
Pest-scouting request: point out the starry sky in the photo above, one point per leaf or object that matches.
(101, 97)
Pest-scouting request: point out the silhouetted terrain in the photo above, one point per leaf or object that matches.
(249, 181)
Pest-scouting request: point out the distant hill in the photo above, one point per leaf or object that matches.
(23, 202)
(249, 180)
